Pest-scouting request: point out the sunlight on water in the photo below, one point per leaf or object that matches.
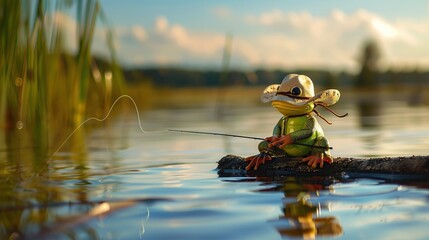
(165, 186)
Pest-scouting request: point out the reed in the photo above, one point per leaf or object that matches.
(46, 90)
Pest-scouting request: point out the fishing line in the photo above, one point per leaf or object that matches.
(101, 120)
(242, 136)
(145, 131)
(215, 134)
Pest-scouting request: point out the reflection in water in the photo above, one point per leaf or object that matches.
(17, 186)
(180, 168)
(369, 109)
(303, 220)
(73, 218)
(70, 224)
(301, 217)
(369, 112)
(27, 178)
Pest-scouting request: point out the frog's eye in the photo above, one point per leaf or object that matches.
(296, 91)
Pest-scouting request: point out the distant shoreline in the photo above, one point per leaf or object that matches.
(148, 96)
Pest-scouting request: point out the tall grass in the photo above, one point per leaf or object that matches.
(45, 92)
(45, 89)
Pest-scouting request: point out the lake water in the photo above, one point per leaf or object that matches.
(134, 185)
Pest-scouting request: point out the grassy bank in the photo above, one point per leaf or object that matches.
(46, 88)
(149, 97)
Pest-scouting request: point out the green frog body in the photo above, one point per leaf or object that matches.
(303, 130)
(297, 133)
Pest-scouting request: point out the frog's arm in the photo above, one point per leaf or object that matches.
(306, 132)
(277, 131)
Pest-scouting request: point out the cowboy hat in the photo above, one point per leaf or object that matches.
(298, 90)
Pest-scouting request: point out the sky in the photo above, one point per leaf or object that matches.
(269, 34)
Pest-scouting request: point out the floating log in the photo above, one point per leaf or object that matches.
(414, 166)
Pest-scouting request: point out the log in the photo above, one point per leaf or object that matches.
(414, 166)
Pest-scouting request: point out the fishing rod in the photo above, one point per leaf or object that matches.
(237, 136)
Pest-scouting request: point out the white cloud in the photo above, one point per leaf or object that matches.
(335, 40)
(139, 33)
(222, 12)
(161, 24)
(169, 43)
(198, 43)
(269, 39)
(66, 25)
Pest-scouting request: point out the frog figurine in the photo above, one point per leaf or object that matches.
(297, 133)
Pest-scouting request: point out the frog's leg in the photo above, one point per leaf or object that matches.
(319, 154)
(265, 154)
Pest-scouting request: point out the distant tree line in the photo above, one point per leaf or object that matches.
(175, 77)
(368, 77)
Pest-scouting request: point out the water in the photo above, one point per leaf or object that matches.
(165, 186)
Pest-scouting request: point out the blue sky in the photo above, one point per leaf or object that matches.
(268, 34)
